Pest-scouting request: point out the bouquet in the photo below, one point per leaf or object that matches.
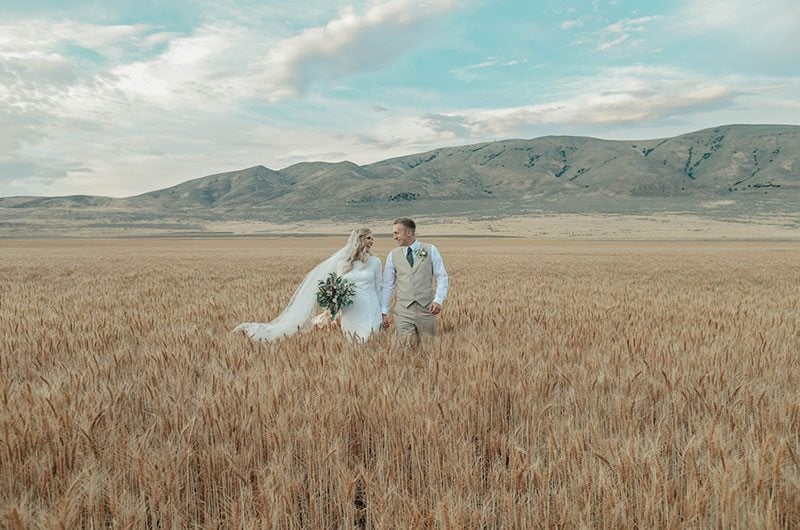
(334, 293)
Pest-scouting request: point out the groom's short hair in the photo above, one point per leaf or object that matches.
(408, 223)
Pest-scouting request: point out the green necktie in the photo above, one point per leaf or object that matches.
(410, 257)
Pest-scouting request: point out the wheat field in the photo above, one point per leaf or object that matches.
(573, 385)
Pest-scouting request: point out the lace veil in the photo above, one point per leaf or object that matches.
(298, 316)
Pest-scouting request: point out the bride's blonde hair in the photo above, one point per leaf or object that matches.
(360, 252)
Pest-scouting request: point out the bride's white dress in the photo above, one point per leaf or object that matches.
(358, 321)
(363, 317)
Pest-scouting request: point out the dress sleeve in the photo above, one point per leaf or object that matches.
(377, 273)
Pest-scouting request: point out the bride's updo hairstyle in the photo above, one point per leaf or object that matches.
(360, 252)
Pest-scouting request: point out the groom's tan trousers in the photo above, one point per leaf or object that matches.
(414, 320)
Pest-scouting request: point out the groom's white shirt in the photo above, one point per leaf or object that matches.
(389, 277)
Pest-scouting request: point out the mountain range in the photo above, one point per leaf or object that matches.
(752, 168)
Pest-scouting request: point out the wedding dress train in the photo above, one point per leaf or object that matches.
(358, 320)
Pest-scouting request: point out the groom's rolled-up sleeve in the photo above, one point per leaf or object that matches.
(440, 273)
(387, 288)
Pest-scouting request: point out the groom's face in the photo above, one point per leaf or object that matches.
(402, 235)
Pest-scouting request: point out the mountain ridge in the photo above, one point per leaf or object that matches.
(547, 157)
(754, 167)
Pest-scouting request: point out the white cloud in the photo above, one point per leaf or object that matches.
(613, 35)
(616, 42)
(349, 44)
(43, 88)
(209, 67)
(571, 24)
(616, 96)
(720, 14)
(203, 70)
(72, 122)
(763, 31)
(32, 37)
(631, 24)
(465, 73)
(161, 107)
(623, 103)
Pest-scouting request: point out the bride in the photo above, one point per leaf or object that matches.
(358, 321)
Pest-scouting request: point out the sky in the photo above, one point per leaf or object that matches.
(121, 97)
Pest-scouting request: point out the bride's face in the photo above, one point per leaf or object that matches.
(368, 242)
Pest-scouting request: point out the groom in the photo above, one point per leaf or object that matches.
(411, 269)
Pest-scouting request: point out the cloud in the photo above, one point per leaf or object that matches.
(571, 24)
(616, 96)
(766, 15)
(208, 67)
(57, 76)
(79, 69)
(616, 42)
(630, 24)
(21, 126)
(42, 83)
(84, 107)
(122, 110)
(350, 44)
(466, 73)
(763, 33)
(485, 64)
(29, 38)
(453, 126)
(613, 35)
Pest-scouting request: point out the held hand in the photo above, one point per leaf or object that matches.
(386, 321)
(435, 308)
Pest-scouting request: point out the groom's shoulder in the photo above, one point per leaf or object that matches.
(433, 250)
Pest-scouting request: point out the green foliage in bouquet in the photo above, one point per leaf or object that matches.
(334, 293)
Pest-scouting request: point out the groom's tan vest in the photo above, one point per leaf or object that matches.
(413, 284)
